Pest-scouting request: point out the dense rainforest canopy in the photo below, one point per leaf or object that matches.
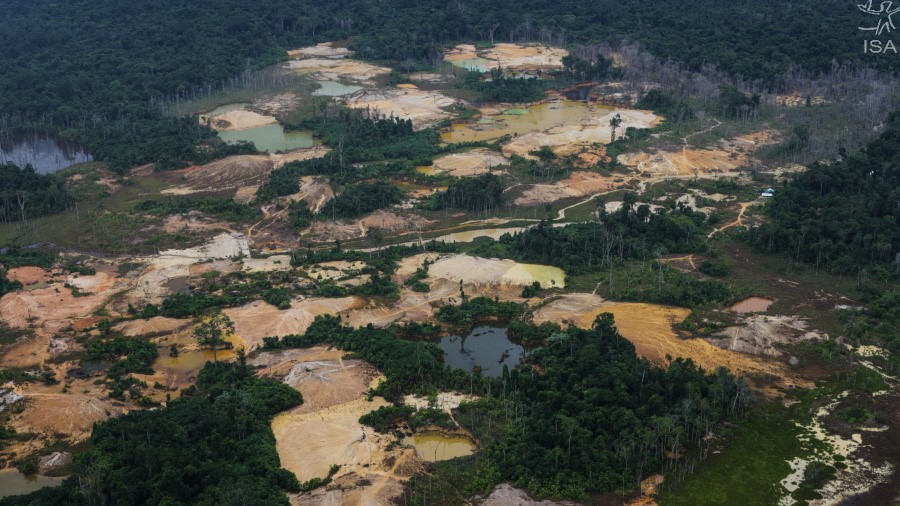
(91, 69)
(25, 194)
(844, 215)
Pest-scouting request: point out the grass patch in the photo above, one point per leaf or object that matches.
(749, 470)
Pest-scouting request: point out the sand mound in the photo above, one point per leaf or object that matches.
(571, 139)
(461, 52)
(568, 308)
(686, 162)
(351, 489)
(471, 163)
(578, 184)
(28, 275)
(194, 221)
(229, 173)
(258, 319)
(240, 120)
(424, 108)
(493, 271)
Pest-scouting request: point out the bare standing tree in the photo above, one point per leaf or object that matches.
(614, 123)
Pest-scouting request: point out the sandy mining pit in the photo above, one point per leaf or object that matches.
(389, 222)
(226, 174)
(650, 328)
(571, 139)
(325, 430)
(515, 120)
(470, 163)
(239, 119)
(507, 495)
(513, 57)
(760, 335)
(492, 271)
(578, 184)
(337, 69)
(728, 155)
(241, 174)
(279, 159)
(321, 50)
(258, 319)
(54, 307)
(50, 413)
(195, 222)
(423, 108)
(316, 191)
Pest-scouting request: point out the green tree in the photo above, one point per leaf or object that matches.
(211, 332)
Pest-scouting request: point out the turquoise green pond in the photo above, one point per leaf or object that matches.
(271, 138)
(335, 89)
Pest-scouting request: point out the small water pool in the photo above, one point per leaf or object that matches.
(270, 138)
(12, 482)
(433, 447)
(487, 348)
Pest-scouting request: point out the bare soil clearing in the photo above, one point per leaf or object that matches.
(578, 184)
(423, 108)
(759, 335)
(491, 271)
(506, 495)
(54, 307)
(389, 222)
(337, 69)
(258, 319)
(513, 57)
(571, 139)
(650, 328)
(240, 119)
(728, 156)
(470, 163)
(321, 50)
(28, 275)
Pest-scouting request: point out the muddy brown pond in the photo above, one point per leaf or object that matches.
(12, 482)
(432, 447)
